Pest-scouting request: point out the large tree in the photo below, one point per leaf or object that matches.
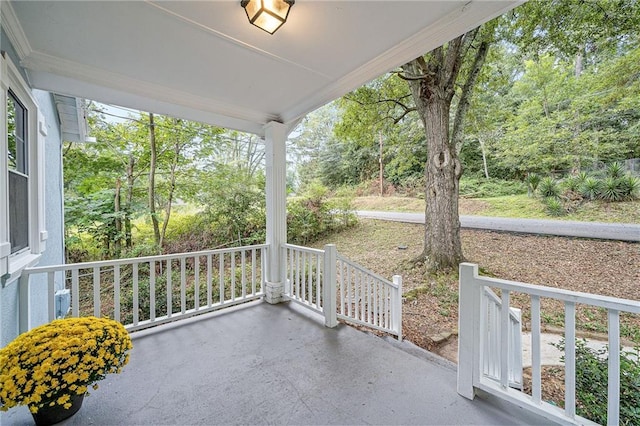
(449, 72)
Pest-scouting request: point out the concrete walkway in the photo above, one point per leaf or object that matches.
(278, 364)
(564, 228)
(550, 355)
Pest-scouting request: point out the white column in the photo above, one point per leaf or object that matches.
(276, 193)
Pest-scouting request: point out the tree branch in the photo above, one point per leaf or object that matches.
(467, 91)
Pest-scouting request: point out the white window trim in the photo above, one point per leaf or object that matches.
(11, 265)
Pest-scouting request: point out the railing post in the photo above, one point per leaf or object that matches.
(470, 297)
(23, 303)
(329, 287)
(397, 306)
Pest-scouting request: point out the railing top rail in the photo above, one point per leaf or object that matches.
(131, 260)
(367, 271)
(303, 249)
(607, 302)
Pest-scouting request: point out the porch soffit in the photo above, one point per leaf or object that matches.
(203, 61)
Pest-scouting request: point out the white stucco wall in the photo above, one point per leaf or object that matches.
(54, 253)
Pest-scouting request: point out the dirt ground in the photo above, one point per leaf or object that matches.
(430, 309)
(609, 268)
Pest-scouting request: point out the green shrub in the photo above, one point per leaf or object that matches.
(571, 183)
(549, 187)
(591, 379)
(485, 188)
(312, 214)
(590, 188)
(615, 170)
(554, 206)
(611, 189)
(532, 180)
(630, 187)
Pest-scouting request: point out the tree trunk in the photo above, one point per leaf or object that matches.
(484, 158)
(172, 188)
(117, 243)
(442, 246)
(152, 180)
(129, 201)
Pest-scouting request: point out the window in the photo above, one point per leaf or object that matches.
(18, 173)
(23, 132)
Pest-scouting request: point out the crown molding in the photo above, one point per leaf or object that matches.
(14, 30)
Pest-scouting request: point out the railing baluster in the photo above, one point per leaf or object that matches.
(349, 292)
(310, 278)
(233, 275)
(263, 272)
(209, 281)
(169, 290)
(196, 283)
(505, 359)
(96, 291)
(570, 359)
(152, 291)
(75, 293)
(303, 277)
(319, 288)
(375, 297)
(136, 303)
(253, 271)
(613, 391)
(297, 276)
(291, 262)
(183, 285)
(116, 292)
(536, 362)
(363, 296)
(244, 274)
(51, 295)
(221, 284)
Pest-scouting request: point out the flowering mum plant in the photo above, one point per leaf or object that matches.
(48, 364)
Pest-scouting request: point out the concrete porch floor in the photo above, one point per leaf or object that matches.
(264, 364)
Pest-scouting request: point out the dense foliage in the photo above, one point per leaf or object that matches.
(591, 379)
(558, 94)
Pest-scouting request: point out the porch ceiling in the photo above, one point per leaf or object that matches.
(202, 60)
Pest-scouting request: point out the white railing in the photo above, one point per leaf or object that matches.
(472, 342)
(366, 298)
(147, 291)
(309, 277)
(492, 356)
(323, 281)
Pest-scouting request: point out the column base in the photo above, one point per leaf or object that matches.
(274, 292)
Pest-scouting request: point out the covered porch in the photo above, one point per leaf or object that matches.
(278, 364)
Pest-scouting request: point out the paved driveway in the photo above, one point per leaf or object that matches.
(564, 228)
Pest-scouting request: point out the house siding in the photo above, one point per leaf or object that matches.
(54, 219)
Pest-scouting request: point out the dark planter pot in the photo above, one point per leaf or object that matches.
(52, 415)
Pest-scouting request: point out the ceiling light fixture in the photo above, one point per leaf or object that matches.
(268, 15)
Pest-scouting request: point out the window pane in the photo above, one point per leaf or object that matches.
(18, 178)
(18, 211)
(16, 129)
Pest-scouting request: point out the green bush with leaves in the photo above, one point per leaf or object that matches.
(486, 188)
(590, 188)
(312, 215)
(611, 189)
(554, 206)
(591, 379)
(549, 187)
(532, 180)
